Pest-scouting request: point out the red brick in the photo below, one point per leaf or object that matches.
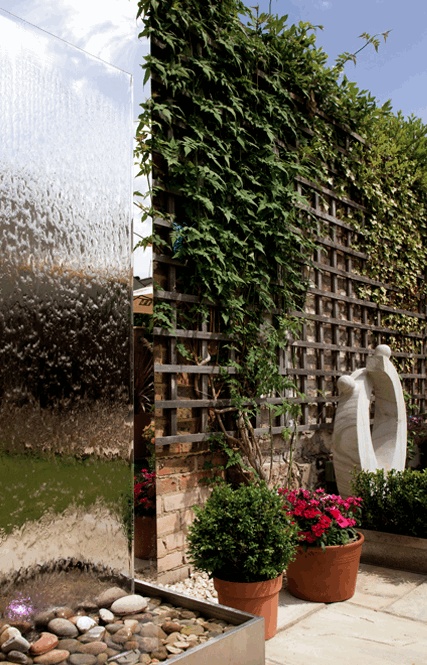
(167, 485)
(171, 465)
(191, 480)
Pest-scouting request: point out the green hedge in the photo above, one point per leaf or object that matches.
(394, 501)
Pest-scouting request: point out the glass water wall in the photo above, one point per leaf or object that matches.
(65, 310)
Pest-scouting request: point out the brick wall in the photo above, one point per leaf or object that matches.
(180, 468)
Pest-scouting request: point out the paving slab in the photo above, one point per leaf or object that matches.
(413, 605)
(378, 588)
(293, 609)
(350, 633)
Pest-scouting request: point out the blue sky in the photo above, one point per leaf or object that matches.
(398, 71)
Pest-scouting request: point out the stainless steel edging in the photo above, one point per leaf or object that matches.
(242, 645)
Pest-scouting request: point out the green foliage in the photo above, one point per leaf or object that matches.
(374, 40)
(394, 502)
(242, 535)
(393, 178)
(244, 104)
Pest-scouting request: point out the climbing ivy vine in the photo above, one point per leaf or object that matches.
(245, 109)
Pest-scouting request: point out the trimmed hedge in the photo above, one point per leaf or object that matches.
(394, 501)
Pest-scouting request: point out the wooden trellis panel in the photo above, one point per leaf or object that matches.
(339, 329)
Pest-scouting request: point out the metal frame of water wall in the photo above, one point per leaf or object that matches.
(65, 307)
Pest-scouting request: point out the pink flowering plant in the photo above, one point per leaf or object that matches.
(323, 519)
(144, 492)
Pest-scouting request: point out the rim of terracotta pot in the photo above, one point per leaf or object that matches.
(274, 584)
(353, 543)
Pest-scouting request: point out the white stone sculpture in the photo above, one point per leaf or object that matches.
(354, 446)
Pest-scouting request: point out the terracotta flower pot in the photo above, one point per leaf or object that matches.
(145, 536)
(325, 576)
(259, 598)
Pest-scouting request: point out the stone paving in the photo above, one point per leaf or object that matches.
(385, 623)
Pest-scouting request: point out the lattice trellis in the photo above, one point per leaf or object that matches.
(339, 326)
(338, 332)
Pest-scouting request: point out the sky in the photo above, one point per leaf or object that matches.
(398, 71)
(108, 29)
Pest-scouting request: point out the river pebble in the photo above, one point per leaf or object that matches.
(117, 628)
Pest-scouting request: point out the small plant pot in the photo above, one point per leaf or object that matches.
(258, 598)
(145, 537)
(325, 575)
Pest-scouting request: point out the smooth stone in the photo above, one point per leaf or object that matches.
(160, 653)
(94, 648)
(8, 634)
(131, 623)
(46, 642)
(195, 629)
(124, 631)
(71, 645)
(167, 614)
(82, 659)
(171, 627)
(18, 657)
(128, 657)
(102, 657)
(109, 596)
(213, 628)
(171, 638)
(63, 612)
(85, 623)
(15, 643)
(188, 614)
(43, 618)
(151, 630)
(106, 615)
(148, 644)
(145, 659)
(172, 649)
(181, 644)
(63, 628)
(94, 634)
(3, 627)
(143, 618)
(113, 627)
(129, 604)
(52, 657)
(22, 625)
(131, 645)
(87, 606)
(119, 639)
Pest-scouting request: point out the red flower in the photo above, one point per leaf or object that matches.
(144, 492)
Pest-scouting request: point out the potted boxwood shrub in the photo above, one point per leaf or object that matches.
(244, 540)
(327, 561)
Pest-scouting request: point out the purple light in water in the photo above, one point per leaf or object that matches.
(19, 608)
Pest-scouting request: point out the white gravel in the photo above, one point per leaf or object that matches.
(198, 585)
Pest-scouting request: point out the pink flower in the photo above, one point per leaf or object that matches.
(322, 518)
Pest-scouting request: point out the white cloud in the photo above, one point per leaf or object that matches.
(107, 29)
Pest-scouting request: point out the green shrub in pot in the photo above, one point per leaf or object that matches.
(242, 534)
